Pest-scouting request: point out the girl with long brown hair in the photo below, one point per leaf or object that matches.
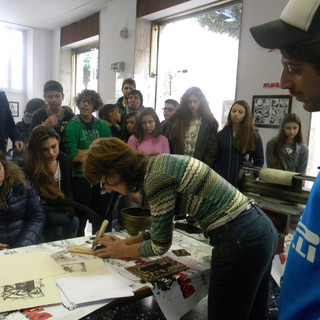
(238, 143)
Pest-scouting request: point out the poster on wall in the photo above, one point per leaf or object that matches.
(14, 107)
(226, 106)
(268, 111)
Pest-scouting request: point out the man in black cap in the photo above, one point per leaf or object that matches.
(297, 36)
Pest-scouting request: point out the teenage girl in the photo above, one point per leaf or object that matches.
(287, 151)
(49, 169)
(110, 113)
(238, 144)
(147, 135)
(192, 128)
(129, 124)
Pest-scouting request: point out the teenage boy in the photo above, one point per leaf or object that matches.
(297, 36)
(53, 115)
(170, 106)
(127, 86)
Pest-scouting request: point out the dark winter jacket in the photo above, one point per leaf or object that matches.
(23, 222)
(230, 159)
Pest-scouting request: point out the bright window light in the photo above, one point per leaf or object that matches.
(11, 59)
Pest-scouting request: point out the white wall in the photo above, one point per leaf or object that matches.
(258, 66)
(113, 48)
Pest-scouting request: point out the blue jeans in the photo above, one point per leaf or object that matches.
(242, 255)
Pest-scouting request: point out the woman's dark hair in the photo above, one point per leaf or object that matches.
(281, 137)
(116, 160)
(180, 119)
(12, 174)
(106, 110)
(125, 134)
(138, 131)
(90, 95)
(36, 165)
(246, 138)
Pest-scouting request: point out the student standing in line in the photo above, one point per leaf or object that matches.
(135, 101)
(127, 86)
(111, 115)
(22, 217)
(80, 132)
(287, 151)
(192, 129)
(297, 36)
(23, 126)
(238, 144)
(243, 238)
(147, 135)
(54, 115)
(129, 124)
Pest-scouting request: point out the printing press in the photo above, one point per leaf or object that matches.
(281, 194)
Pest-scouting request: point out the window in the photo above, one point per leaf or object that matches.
(12, 59)
(86, 68)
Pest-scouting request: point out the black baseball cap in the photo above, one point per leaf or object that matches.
(299, 21)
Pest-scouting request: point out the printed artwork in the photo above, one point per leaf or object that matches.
(268, 111)
(157, 269)
(22, 290)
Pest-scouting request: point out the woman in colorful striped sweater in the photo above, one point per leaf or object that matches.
(244, 240)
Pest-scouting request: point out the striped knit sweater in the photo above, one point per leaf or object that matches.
(177, 185)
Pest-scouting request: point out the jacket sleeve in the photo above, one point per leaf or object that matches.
(303, 159)
(270, 156)
(11, 129)
(258, 156)
(210, 152)
(34, 219)
(70, 140)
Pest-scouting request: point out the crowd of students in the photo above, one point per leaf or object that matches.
(80, 167)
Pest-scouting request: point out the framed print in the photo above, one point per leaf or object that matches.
(226, 106)
(14, 107)
(268, 111)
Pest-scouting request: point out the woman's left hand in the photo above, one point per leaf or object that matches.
(114, 247)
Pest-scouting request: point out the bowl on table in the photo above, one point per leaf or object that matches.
(136, 219)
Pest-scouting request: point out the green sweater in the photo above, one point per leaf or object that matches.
(78, 137)
(177, 185)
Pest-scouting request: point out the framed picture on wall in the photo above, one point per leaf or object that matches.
(14, 107)
(268, 111)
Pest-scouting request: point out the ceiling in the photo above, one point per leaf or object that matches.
(48, 14)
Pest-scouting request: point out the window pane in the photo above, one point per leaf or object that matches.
(16, 59)
(4, 58)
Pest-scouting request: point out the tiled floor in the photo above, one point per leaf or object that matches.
(148, 309)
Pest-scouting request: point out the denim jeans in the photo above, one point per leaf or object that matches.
(59, 226)
(242, 255)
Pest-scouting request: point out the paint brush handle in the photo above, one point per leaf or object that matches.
(101, 232)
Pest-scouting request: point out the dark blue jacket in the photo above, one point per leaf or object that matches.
(230, 159)
(7, 125)
(23, 222)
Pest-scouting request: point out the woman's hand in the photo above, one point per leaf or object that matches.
(114, 247)
(4, 246)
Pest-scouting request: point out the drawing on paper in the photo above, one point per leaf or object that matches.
(74, 267)
(22, 290)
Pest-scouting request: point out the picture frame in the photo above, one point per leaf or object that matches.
(268, 111)
(14, 107)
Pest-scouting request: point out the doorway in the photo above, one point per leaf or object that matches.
(201, 51)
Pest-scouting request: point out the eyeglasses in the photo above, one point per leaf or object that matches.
(168, 109)
(88, 101)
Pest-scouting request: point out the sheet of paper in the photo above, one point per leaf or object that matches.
(81, 268)
(78, 291)
(28, 294)
(22, 267)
